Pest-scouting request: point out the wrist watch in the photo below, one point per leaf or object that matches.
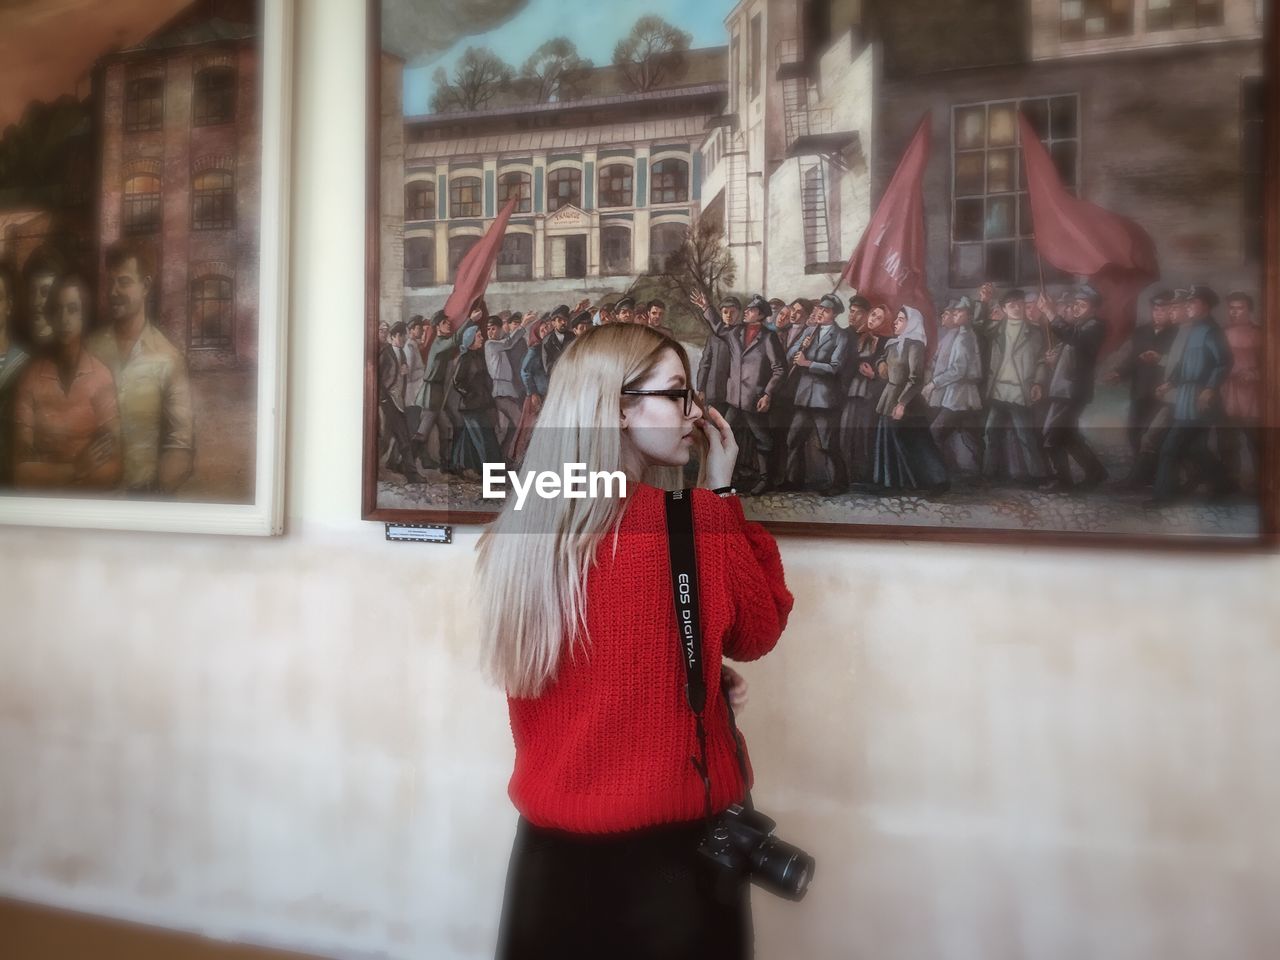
(729, 491)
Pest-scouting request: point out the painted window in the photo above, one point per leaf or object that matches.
(458, 248)
(615, 251)
(515, 257)
(1091, 19)
(213, 200)
(420, 200)
(465, 199)
(670, 182)
(516, 184)
(756, 53)
(144, 104)
(419, 261)
(615, 185)
(214, 97)
(991, 228)
(664, 239)
(212, 311)
(142, 204)
(1177, 14)
(564, 187)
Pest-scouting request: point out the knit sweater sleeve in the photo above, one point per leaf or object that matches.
(752, 570)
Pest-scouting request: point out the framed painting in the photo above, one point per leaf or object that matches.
(143, 213)
(967, 271)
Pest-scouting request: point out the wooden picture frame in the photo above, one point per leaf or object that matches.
(257, 162)
(1053, 53)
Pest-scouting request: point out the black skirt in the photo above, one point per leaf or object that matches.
(642, 895)
(906, 458)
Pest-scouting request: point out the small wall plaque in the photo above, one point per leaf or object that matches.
(420, 532)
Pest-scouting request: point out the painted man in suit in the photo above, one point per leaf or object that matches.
(502, 355)
(416, 374)
(755, 374)
(1074, 359)
(954, 389)
(712, 378)
(393, 374)
(1198, 366)
(818, 362)
(559, 339)
(1015, 384)
(1143, 367)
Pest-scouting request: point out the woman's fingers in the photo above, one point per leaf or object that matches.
(720, 423)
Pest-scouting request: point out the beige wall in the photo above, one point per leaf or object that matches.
(996, 754)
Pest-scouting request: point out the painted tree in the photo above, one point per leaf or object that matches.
(702, 263)
(479, 76)
(653, 53)
(554, 72)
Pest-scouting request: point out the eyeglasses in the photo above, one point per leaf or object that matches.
(689, 395)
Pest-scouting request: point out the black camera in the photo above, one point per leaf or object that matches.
(741, 843)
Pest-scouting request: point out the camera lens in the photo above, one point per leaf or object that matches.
(782, 869)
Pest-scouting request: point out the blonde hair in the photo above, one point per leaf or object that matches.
(531, 572)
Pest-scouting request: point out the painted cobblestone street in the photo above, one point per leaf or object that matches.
(1108, 509)
(1100, 511)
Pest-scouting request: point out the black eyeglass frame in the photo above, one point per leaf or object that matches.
(688, 393)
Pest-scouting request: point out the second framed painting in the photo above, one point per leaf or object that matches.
(143, 219)
(987, 273)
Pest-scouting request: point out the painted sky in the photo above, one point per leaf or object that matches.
(48, 46)
(594, 25)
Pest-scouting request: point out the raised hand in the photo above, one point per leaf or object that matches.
(722, 448)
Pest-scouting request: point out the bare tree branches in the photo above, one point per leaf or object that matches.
(478, 77)
(652, 54)
(553, 72)
(701, 264)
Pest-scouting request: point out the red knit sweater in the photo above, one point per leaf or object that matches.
(606, 746)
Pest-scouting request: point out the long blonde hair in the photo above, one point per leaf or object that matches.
(531, 572)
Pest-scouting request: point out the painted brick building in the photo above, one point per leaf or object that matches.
(179, 123)
(1151, 108)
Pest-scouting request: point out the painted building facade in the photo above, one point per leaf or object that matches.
(178, 120)
(605, 187)
(1152, 108)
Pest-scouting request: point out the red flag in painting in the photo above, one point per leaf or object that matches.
(474, 269)
(888, 264)
(1082, 238)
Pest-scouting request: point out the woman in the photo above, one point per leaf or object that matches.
(39, 274)
(906, 458)
(477, 442)
(858, 424)
(578, 626)
(533, 374)
(66, 421)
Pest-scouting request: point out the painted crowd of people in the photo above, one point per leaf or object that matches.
(87, 407)
(454, 398)
(867, 404)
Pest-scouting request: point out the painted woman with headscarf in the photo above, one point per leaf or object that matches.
(477, 442)
(906, 458)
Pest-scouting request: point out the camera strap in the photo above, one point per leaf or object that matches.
(684, 587)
